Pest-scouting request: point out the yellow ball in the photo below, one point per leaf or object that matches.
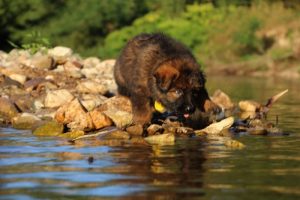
(159, 107)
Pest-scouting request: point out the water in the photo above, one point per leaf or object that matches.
(268, 168)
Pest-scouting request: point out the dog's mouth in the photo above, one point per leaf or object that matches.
(158, 106)
(186, 115)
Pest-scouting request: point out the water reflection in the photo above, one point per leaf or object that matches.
(192, 168)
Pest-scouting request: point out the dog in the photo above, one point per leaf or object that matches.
(154, 70)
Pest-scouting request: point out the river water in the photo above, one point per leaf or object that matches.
(268, 168)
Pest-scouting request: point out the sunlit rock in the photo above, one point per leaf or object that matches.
(92, 87)
(74, 116)
(51, 128)
(222, 99)
(7, 109)
(57, 98)
(118, 109)
(60, 54)
(26, 121)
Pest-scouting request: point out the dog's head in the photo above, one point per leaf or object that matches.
(177, 86)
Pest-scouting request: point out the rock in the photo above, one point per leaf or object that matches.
(247, 115)
(258, 130)
(138, 141)
(222, 100)
(135, 130)
(60, 54)
(46, 113)
(51, 128)
(18, 77)
(109, 84)
(106, 67)
(23, 102)
(42, 62)
(217, 127)
(90, 72)
(39, 84)
(234, 144)
(6, 81)
(49, 78)
(57, 98)
(72, 134)
(13, 90)
(154, 128)
(116, 135)
(91, 62)
(91, 101)
(26, 121)
(99, 119)
(73, 69)
(74, 116)
(59, 69)
(119, 117)
(162, 139)
(3, 56)
(118, 109)
(33, 83)
(256, 122)
(18, 56)
(249, 106)
(7, 109)
(91, 87)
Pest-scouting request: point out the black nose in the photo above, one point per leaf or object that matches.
(189, 109)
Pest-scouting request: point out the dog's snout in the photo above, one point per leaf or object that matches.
(189, 109)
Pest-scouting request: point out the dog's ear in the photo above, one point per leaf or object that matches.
(165, 75)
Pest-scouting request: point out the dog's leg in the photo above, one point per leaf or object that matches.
(141, 108)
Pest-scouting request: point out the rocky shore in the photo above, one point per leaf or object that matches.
(58, 85)
(55, 92)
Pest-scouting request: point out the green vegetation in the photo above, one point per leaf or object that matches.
(222, 31)
(33, 42)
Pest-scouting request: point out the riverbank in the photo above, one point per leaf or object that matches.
(56, 92)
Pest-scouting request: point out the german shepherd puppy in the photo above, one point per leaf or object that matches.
(154, 68)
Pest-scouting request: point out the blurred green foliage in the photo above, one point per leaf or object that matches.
(214, 29)
(80, 24)
(33, 42)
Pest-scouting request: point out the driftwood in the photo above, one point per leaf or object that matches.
(99, 133)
